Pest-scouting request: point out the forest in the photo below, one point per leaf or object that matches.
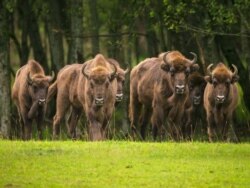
(53, 31)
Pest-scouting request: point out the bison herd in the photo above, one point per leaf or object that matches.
(166, 92)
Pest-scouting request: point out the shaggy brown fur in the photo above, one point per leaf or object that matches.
(90, 87)
(29, 93)
(159, 86)
(220, 101)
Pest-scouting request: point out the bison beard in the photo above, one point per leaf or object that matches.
(29, 93)
(220, 101)
(158, 89)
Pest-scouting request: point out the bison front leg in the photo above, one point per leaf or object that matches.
(40, 121)
(229, 132)
(72, 121)
(145, 119)
(211, 127)
(187, 128)
(27, 123)
(95, 131)
(27, 129)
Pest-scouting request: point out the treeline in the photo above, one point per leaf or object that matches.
(52, 32)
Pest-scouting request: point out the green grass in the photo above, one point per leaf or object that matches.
(123, 164)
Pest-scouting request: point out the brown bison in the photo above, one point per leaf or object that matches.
(194, 110)
(29, 94)
(120, 77)
(159, 86)
(220, 100)
(90, 87)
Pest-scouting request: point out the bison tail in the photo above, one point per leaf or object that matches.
(52, 91)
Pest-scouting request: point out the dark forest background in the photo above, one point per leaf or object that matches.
(52, 31)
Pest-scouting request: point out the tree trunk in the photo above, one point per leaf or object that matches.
(35, 39)
(24, 13)
(5, 110)
(94, 27)
(76, 30)
(55, 35)
(152, 42)
(208, 51)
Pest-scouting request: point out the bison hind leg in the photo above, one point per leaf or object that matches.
(134, 114)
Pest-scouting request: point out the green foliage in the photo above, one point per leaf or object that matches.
(242, 113)
(9, 5)
(123, 164)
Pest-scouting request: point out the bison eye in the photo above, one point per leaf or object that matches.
(92, 85)
(187, 71)
(190, 86)
(215, 82)
(35, 89)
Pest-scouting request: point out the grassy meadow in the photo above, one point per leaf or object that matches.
(123, 164)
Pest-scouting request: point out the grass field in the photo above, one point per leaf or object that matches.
(123, 164)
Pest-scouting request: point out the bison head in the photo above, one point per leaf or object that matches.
(196, 85)
(221, 78)
(179, 68)
(99, 80)
(120, 77)
(38, 87)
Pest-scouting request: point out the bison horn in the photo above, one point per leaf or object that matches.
(52, 77)
(235, 70)
(29, 79)
(209, 71)
(112, 75)
(126, 71)
(164, 57)
(195, 57)
(84, 72)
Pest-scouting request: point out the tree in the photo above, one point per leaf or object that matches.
(94, 26)
(55, 34)
(76, 30)
(5, 110)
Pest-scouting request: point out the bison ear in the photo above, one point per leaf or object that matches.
(235, 78)
(208, 79)
(165, 67)
(195, 67)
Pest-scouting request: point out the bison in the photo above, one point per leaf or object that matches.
(90, 87)
(159, 86)
(220, 100)
(29, 94)
(194, 110)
